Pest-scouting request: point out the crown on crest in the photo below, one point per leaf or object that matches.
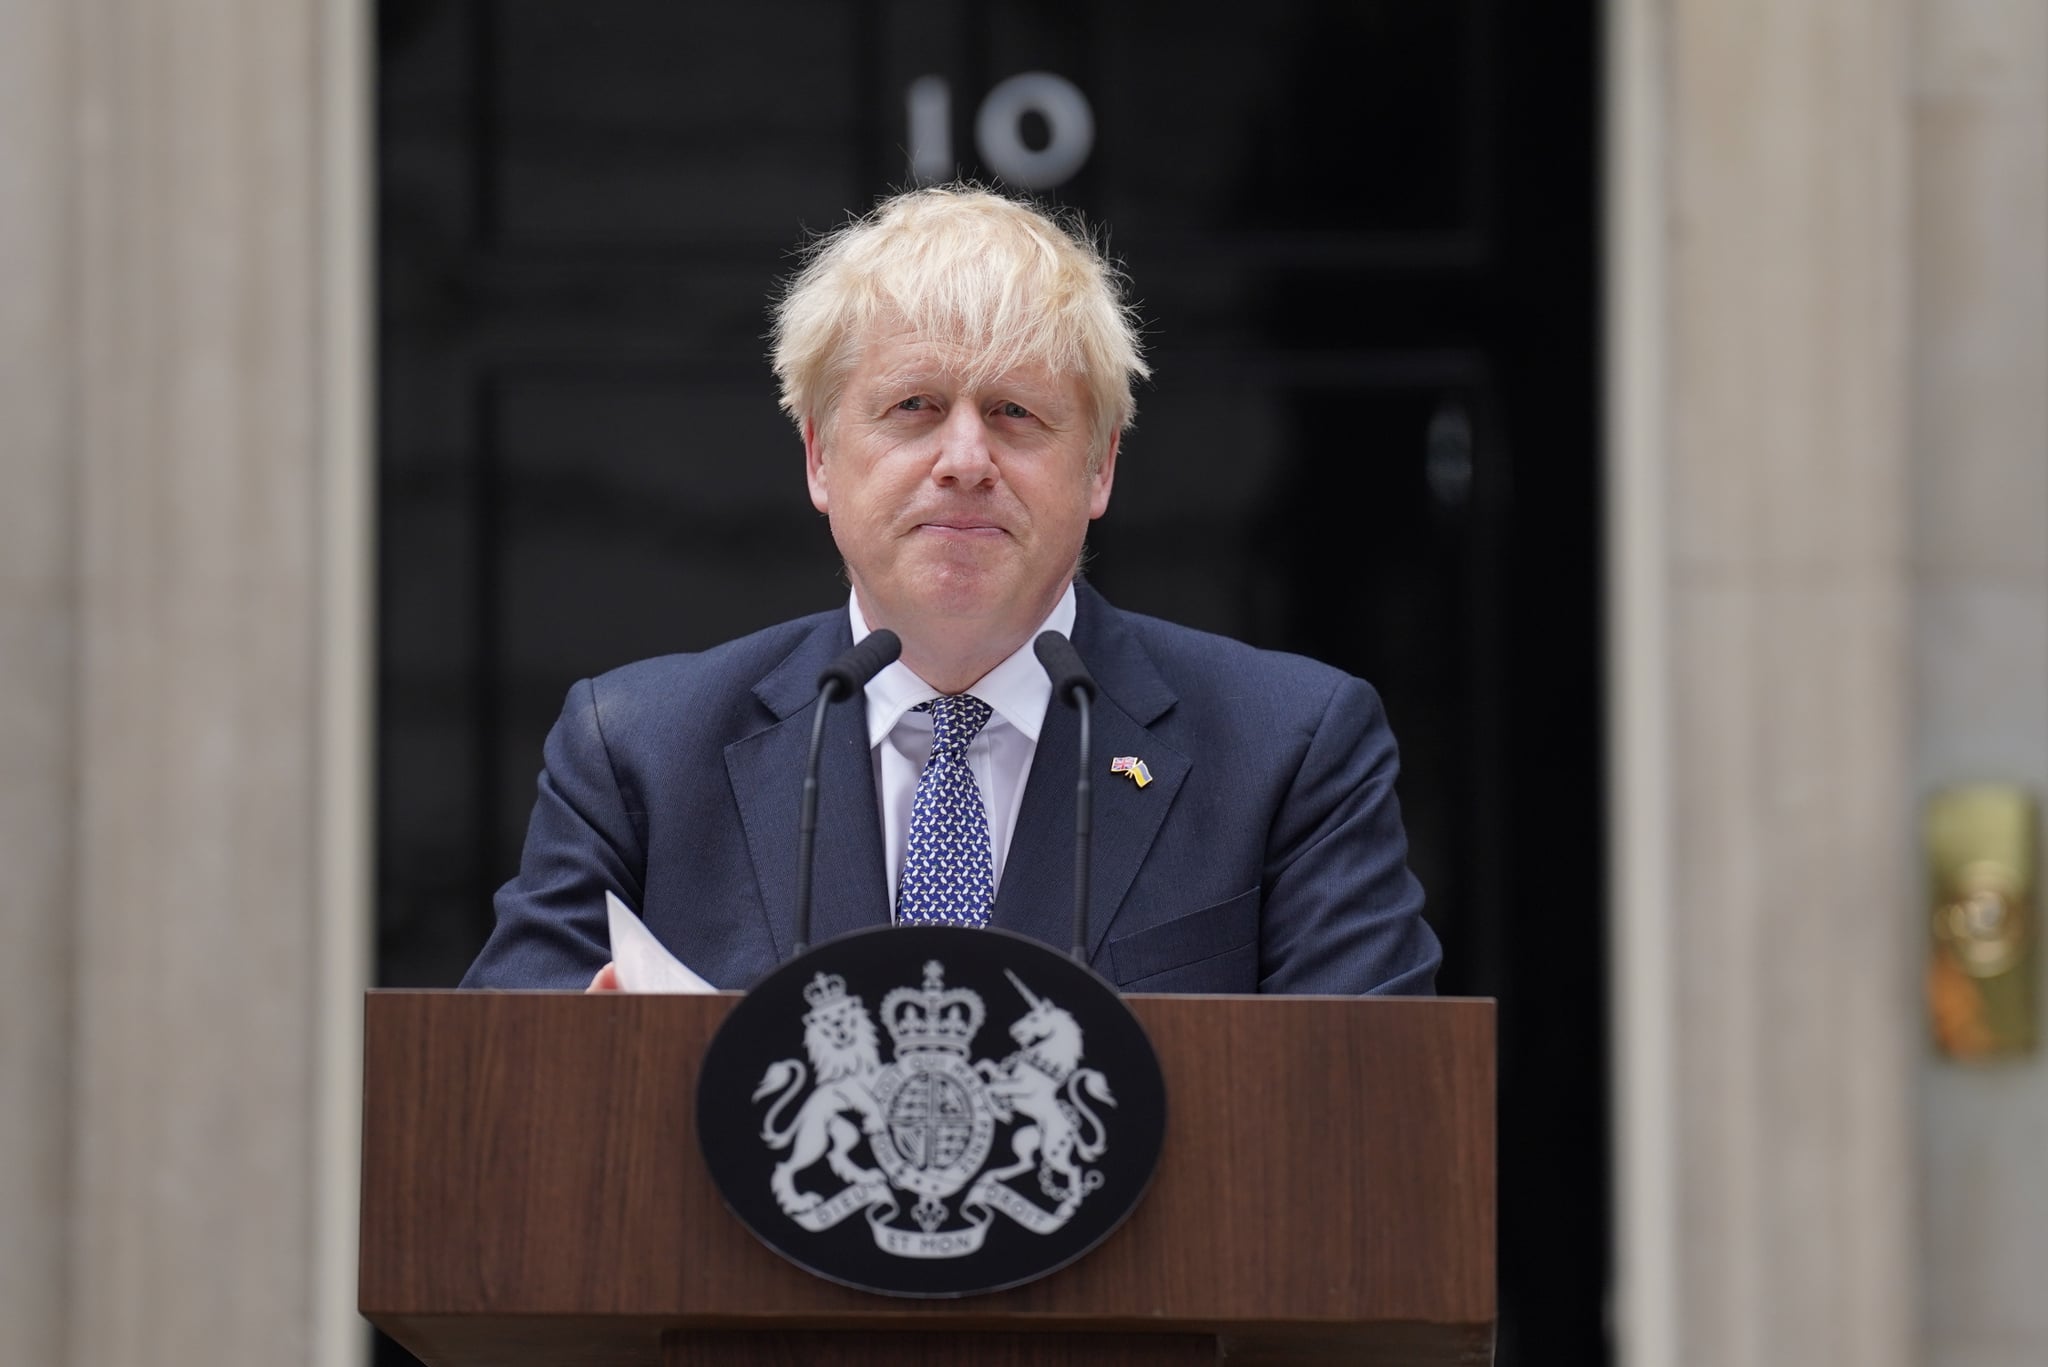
(933, 1017)
(826, 992)
(823, 989)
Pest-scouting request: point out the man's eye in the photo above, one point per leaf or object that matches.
(916, 403)
(1013, 410)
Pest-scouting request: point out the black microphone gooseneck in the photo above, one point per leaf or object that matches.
(845, 677)
(1071, 684)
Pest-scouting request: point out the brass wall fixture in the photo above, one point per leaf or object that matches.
(1983, 865)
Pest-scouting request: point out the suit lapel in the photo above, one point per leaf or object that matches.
(1037, 895)
(766, 771)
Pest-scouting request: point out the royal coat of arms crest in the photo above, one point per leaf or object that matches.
(932, 1144)
(988, 1108)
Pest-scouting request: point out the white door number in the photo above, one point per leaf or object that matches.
(999, 132)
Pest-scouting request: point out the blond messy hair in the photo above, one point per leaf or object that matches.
(1000, 278)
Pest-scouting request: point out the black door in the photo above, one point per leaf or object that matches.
(1362, 235)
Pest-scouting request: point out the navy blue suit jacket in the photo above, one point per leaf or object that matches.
(1266, 855)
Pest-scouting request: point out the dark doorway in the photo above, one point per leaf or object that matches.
(1363, 236)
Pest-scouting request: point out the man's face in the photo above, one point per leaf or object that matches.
(960, 509)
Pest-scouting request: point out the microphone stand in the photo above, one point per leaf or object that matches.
(845, 677)
(807, 822)
(1084, 824)
(1071, 684)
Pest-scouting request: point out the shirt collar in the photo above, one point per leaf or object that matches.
(1017, 689)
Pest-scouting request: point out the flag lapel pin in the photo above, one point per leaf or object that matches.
(1133, 766)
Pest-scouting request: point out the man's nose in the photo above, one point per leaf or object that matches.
(964, 456)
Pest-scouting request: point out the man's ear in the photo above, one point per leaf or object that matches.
(1103, 478)
(814, 465)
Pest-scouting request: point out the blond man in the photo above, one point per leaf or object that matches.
(960, 368)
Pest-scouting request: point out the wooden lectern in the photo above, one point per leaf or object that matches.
(532, 1194)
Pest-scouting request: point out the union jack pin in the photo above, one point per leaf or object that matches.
(1132, 765)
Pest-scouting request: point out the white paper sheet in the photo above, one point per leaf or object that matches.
(643, 962)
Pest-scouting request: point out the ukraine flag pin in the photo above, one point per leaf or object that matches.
(1132, 765)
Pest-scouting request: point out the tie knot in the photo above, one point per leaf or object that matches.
(957, 718)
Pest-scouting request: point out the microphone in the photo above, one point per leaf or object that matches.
(845, 677)
(850, 673)
(1072, 685)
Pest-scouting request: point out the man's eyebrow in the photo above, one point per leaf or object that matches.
(902, 379)
(1040, 388)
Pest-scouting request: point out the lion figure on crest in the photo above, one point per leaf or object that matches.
(1042, 1083)
(839, 1037)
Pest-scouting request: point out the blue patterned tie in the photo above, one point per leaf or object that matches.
(948, 871)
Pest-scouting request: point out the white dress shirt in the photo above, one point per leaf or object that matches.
(1017, 691)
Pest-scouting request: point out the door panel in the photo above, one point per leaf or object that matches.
(1362, 240)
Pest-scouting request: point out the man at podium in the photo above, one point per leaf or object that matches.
(960, 367)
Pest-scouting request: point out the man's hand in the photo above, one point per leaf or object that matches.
(607, 980)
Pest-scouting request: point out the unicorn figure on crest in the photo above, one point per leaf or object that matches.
(1043, 1082)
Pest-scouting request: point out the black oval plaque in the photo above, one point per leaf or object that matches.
(931, 1111)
